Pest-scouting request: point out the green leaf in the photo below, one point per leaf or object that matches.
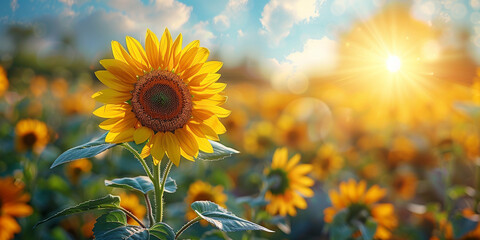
(339, 228)
(368, 229)
(113, 225)
(219, 152)
(90, 149)
(462, 225)
(161, 231)
(223, 219)
(140, 183)
(107, 202)
(214, 235)
(458, 191)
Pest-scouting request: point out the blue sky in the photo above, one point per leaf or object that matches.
(281, 34)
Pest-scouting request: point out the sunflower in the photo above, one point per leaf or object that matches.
(405, 185)
(132, 204)
(361, 204)
(31, 134)
(165, 95)
(327, 161)
(287, 184)
(3, 81)
(76, 169)
(13, 203)
(202, 191)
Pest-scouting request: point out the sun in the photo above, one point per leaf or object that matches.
(393, 63)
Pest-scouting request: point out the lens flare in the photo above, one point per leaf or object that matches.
(393, 64)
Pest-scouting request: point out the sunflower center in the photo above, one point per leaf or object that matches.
(162, 101)
(29, 139)
(204, 196)
(278, 181)
(358, 213)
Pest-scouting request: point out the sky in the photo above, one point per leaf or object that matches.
(283, 35)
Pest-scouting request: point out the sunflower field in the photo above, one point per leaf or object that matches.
(238, 119)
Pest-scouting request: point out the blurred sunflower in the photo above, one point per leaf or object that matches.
(258, 138)
(59, 88)
(293, 133)
(132, 204)
(13, 203)
(79, 102)
(31, 134)
(326, 162)
(3, 81)
(405, 185)
(202, 191)
(287, 184)
(445, 228)
(361, 204)
(38, 86)
(164, 94)
(74, 170)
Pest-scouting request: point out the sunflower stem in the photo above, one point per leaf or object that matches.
(140, 159)
(158, 197)
(133, 217)
(162, 187)
(187, 225)
(149, 209)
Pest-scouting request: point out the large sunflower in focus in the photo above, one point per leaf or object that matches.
(164, 94)
(288, 184)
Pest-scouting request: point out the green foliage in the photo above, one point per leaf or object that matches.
(462, 225)
(107, 202)
(339, 229)
(219, 152)
(223, 219)
(113, 225)
(86, 150)
(368, 229)
(141, 183)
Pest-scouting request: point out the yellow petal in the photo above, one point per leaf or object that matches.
(202, 55)
(174, 52)
(136, 51)
(187, 142)
(142, 134)
(178, 55)
(119, 137)
(186, 60)
(111, 96)
(112, 82)
(203, 144)
(113, 110)
(217, 110)
(209, 91)
(211, 67)
(123, 56)
(109, 123)
(206, 81)
(165, 45)
(214, 123)
(190, 72)
(158, 148)
(151, 48)
(120, 69)
(173, 147)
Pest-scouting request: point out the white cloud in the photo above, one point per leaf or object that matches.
(199, 31)
(240, 33)
(221, 21)
(14, 5)
(319, 57)
(279, 16)
(233, 9)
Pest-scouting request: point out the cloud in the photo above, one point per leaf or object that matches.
(279, 16)
(233, 8)
(318, 57)
(14, 5)
(199, 31)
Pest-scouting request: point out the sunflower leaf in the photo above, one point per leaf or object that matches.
(89, 149)
(107, 202)
(339, 228)
(223, 219)
(368, 229)
(140, 183)
(161, 231)
(462, 225)
(219, 152)
(113, 225)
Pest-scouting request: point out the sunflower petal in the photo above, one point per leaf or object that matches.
(113, 110)
(120, 69)
(112, 82)
(111, 96)
(172, 146)
(211, 67)
(119, 137)
(136, 51)
(142, 134)
(157, 149)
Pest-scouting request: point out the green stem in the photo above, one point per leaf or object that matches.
(158, 198)
(149, 209)
(142, 161)
(193, 221)
(477, 185)
(133, 216)
(162, 187)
